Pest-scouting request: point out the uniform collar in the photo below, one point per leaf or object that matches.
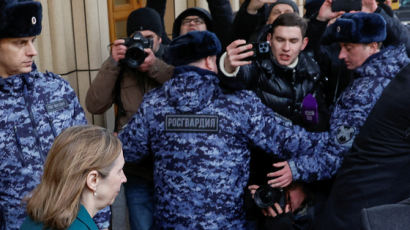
(16, 82)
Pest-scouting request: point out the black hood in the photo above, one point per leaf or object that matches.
(200, 12)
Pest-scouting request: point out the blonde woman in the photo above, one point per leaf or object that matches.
(82, 174)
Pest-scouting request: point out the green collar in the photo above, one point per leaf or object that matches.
(82, 220)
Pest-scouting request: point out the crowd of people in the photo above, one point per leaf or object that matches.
(258, 119)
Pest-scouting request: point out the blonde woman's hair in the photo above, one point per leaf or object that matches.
(75, 152)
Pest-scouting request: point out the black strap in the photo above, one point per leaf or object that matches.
(117, 100)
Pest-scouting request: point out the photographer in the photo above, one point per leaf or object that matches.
(119, 83)
(295, 211)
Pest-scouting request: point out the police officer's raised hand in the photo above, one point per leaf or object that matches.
(235, 53)
(118, 50)
(283, 177)
(148, 61)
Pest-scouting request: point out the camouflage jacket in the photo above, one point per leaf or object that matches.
(325, 153)
(34, 109)
(200, 138)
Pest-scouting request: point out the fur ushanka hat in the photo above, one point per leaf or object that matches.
(20, 18)
(356, 28)
(191, 47)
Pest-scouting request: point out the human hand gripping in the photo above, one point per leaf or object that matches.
(326, 13)
(235, 55)
(148, 61)
(255, 5)
(275, 210)
(282, 177)
(118, 50)
(369, 6)
(269, 211)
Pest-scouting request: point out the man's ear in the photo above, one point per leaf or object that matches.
(210, 62)
(304, 43)
(375, 47)
(268, 37)
(92, 180)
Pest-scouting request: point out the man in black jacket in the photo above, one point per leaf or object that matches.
(285, 79)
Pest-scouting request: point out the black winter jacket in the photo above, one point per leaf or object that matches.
(283, 89)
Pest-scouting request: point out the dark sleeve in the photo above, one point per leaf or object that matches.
(396, 31)
(243, 80)
(332, 68)
(314, 32)
(222, 17)
(324, 55)
(245, 24)
(281, 222)
(160, 6)
(323, 109)
(100, 95)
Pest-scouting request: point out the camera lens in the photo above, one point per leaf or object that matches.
(266, 196)
(135, 54)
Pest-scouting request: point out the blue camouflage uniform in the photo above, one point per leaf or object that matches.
(200, 139)
(378, 160)
(321, 161)
(34, 108)
(192, 127)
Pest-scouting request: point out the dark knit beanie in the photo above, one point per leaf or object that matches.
(356, 28)
(20, 18)
(191, 47)
(144, 19)
(195, 11)
(287, 2)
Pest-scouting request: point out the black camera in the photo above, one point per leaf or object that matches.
(135, 54)
(261, 50)
(346, 5)
(265, 196)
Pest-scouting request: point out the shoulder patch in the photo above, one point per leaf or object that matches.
(191, 123)
(344, 134)
(56, 105)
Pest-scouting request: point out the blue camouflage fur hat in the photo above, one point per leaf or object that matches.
(356, 28)
(20, 18)
(191, 47)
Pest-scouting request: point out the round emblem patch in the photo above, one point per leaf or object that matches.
(33, 20)
(344, 134)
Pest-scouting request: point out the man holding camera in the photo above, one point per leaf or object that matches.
(134, 68)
